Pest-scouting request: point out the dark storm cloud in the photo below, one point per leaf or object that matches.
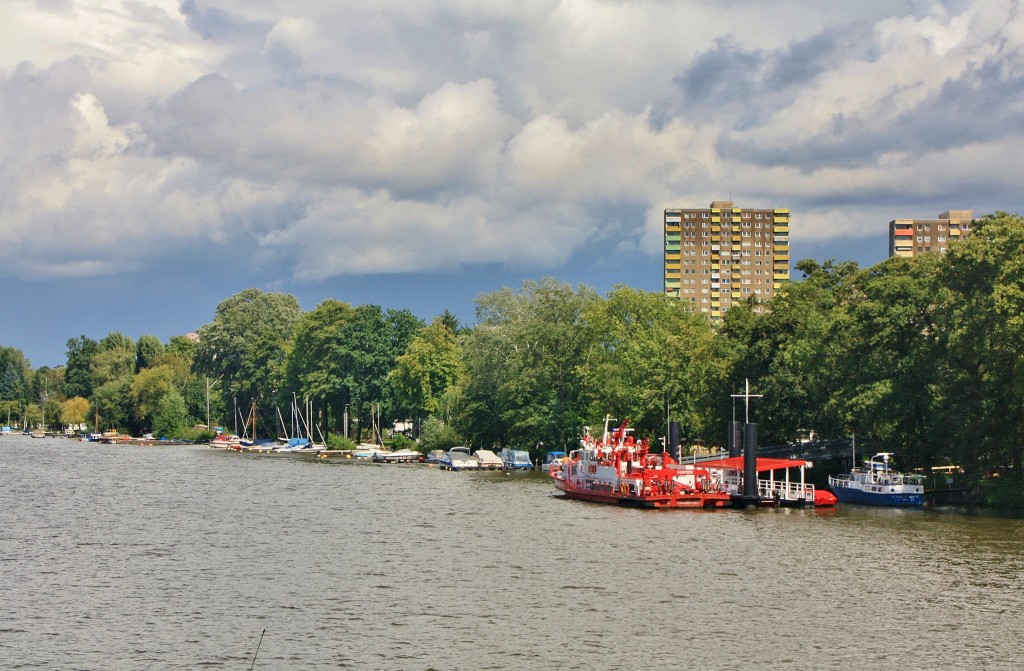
(724, 74)
(728, 74)
(980, 105)
(748, 85)
(805, 60)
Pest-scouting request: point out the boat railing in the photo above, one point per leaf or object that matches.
(789, 491)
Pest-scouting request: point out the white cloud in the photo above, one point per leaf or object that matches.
(440, 134)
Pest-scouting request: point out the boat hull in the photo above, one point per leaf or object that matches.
(694, 500)
(892, 499)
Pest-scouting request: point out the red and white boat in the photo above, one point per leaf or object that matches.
(230, 441)
(617, 469)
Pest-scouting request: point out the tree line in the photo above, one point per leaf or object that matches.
(920, 356)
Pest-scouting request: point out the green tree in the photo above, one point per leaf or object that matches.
(431, 365)
(527, 350)
(246, 344)
(114, 359)
(982, 331)
(78, 375)
(147, 389)
(648, 348)
(14, 374)
(885, 370)
(146, 350)
(112, 400)
(450, 321)
(437, 435)
(74, 411)
(171, 415)
(786, 353)
(314, 366)
(372, 341)
(182, 347)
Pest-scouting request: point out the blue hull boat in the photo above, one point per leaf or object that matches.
(877, 484)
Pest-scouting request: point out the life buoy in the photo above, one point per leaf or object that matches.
(624, 488)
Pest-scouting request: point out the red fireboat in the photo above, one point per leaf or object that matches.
(619, 470)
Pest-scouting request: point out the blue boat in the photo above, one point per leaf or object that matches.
(877, 484)
(516, 460)
(553, 457)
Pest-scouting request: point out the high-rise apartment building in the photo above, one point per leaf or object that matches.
(721, 255)
(910, 237)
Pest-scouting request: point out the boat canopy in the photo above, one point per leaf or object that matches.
(763, 464)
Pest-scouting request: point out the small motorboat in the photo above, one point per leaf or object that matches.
(458, 459)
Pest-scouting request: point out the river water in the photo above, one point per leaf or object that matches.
(133, 557)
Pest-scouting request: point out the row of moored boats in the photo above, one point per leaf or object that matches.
(614, 468)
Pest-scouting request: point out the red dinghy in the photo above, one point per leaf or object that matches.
(619, 470)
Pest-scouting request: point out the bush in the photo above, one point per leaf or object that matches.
(197, 435)
(339, 442)
(1006, 492)
(437, 435)
(400, 441)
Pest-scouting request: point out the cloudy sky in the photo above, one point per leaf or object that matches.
(158, 156)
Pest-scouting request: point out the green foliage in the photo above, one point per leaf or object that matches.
(113, 363)
(982, 333)
(646, 349)
(343, 355)
(430, 366)
(149, 388)
(170, 416)
(1005, 492)
(14, 374)
(436, 435)
(246, 344)
(74, 411)
(197, 435)
(523, 366)
(314, 366)
(787, 354)
(147, 349)
(400, 441)
(182, 347)
(336, 441)
(885, 381)
(113, 400)
(449, 321)
(78, 375)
